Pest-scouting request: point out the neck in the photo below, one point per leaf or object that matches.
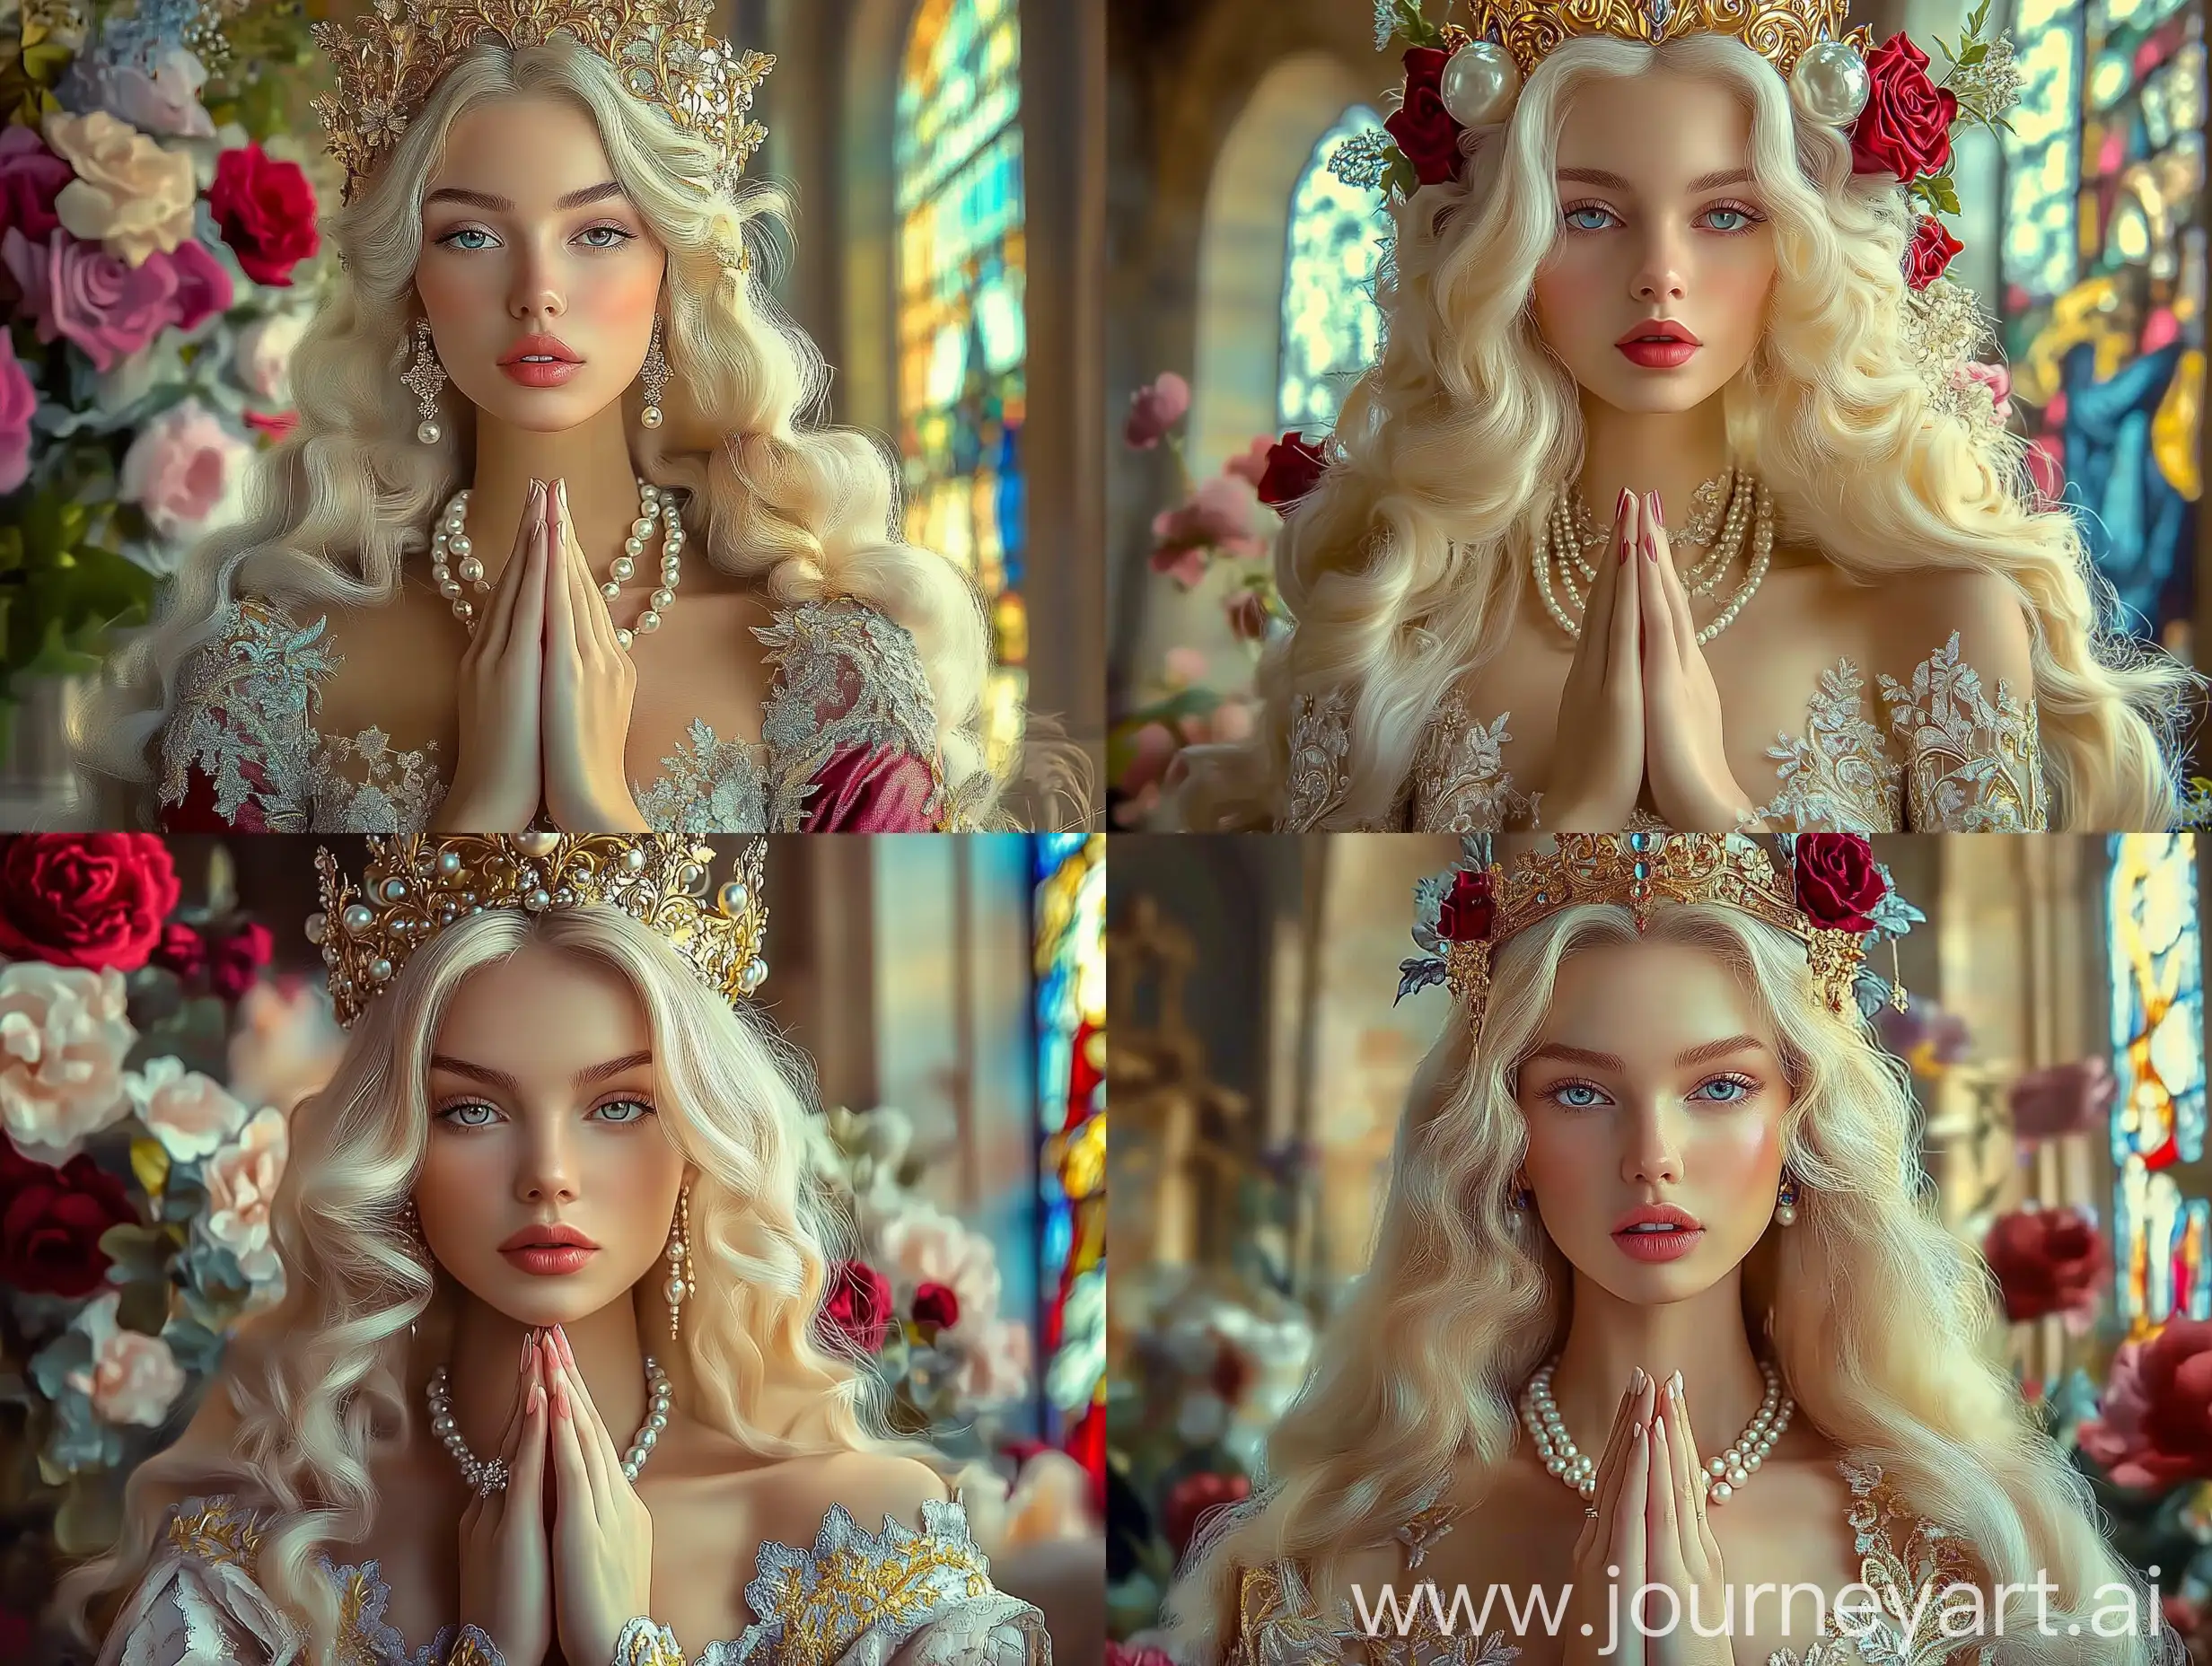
(595, 460)
(1703, 1338)
(483, 1369)
(1670, 453)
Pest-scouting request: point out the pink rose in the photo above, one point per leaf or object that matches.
(1248, 616)
(2059, 1100)
(242, 1185)
(63, 1034)
(134, 1378)
(185, 470)
(1218, 516)
(1231, 723)
(1252, 465)
(31, 178)
(79, 291)
(1998, 380)
(995, 1359)
(1156, 409)
(18, 400)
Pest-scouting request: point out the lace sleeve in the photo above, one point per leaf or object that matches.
(1972, 761)
(1320, 743)
(198, 1604)
(851, 726)
(236, 750)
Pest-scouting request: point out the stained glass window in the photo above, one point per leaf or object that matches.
(1331, 329)
(1070, 930)
(963, 327)
(2103, 280)
(2159, 1232)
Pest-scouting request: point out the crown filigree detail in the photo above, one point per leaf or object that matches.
(388, 61)
(417, 885)
(1778, 30)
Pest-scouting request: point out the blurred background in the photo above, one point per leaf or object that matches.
(1239, 276)
(947, 161)
(2055, 1035)
(950, 991)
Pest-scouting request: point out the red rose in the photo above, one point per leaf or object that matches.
(1427, 132)
(2154, 1427)
(1838, 882)
(87, 899)
(1929, 252)
(265, 211)
(936, 1304)
(1192, 1496)
(2047, 1261)
(1905, 128)
(181, 949)
(238, 961)
(859, 1308)
(51, 1220)
(1469, 909)
(1295, 467)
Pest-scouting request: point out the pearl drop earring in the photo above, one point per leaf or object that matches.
(680, 1283)
(1786, 1205)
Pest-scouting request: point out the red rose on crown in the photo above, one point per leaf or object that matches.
(1837, 882)
(1905, 128)
(1929, 252)
(1426, 131)
(1470, 908)
(1295, 467)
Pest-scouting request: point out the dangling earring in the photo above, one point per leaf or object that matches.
(655, 375)
(1524, 1195)
(1785, 1204)
(680, 1281)
(427, 378)
(411, 1223)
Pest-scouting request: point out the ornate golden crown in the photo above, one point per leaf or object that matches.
(415, 886)
(1467, 911)
(388, 65)
(1778, 30)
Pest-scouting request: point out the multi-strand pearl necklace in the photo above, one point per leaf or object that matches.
(1560, 555)
(490, 1476)
(1541, 1413)
(451, 541)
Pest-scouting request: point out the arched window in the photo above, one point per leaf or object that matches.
(962, 329)
(1331, 329)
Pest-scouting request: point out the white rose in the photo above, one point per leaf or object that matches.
(64, 1035)
(265, 349)
(925, 1246)
(241, 1184)
(134, 1378)
(994, 1361)
(190, 1114)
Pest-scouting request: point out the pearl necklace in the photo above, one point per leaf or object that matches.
(1541, 1413)
(487, 1477)
(1560, 560)
(654, 505)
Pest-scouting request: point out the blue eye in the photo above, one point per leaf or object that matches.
(452, 239)
(1726, 1089)
(636, 1105)
(450, 1114)
(1576, 1095)
(620, 236)
(1586, 209)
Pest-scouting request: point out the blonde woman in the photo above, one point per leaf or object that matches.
(556, 527)
(1657, 1298)
(547, 1384)
(1672, 498)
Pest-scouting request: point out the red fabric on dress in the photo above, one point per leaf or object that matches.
(865, 791)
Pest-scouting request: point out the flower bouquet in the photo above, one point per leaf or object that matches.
(134, 1184)
(157, 244)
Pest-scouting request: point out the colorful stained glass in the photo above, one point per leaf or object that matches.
(962, 319)
(1070, 934)
(2104, 279)
(2160, 1235)
(1331, 327)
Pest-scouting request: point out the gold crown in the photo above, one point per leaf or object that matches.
(415, 886)
(1634, 871)
(1779, 31)
(389, 63)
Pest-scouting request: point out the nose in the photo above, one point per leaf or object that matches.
(1649, 1155)
(547, 1172)
(1659, 275)
(536, 289)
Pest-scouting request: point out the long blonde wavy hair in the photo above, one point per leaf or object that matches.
(1885, 1326)
(807, 509)
(334, 1371)
(1406, 567)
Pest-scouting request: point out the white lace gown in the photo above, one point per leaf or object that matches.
(899, 1597)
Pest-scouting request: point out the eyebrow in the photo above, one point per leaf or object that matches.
(500, 1079)
(1697, 1055)
(1614, 182)
(493, 203)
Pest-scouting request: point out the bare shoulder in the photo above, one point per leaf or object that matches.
(1924, 612)
(788, 1499)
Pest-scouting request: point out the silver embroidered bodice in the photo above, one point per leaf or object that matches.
(1897, 1552)
(1951, 756)
(854, 1598)
(845, 680)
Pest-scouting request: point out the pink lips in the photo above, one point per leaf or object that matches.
(1681, 1233)
(1658, 355)
(549, 1260)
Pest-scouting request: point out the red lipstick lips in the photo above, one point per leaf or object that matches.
(1660, 344)
(540, 362)
(1658, 1231)
(548, 1251)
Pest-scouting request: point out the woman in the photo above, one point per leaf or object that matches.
(555, 1193)
(1676, 282)
(550, 362)
(1650, 1190)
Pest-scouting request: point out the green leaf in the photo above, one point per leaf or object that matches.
(1975, 52)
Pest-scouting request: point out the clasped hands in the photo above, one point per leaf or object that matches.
(1648, 1527)
(1640, 702)
(545, 692)
(594, 1573)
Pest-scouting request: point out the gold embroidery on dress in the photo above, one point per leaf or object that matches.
(852, 1580)
(641, 1643)
(472, 1648)
(216, 1532)
(1971, 764)
(1320, 739)
(1460, 784)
